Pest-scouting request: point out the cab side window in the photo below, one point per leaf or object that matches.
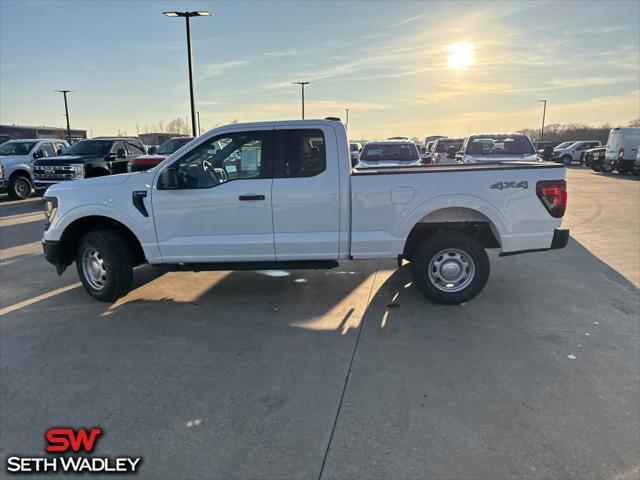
(300, 153)
(227, 157)
(135, 148)
(48, 148)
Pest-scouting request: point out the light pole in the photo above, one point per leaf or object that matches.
(302, 84)
(66, 112)
(187, 16)
(198, 113)
(544, 113)
(347, 112)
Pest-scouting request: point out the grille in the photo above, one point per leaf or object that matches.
(54, 172)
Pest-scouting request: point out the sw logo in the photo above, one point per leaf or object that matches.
(65, 440)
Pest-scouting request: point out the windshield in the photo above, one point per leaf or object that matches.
(565, 144)
(500, 145)
(444, 145)
(390, 151)
(170, 146)
(89, 147)
(16, 148)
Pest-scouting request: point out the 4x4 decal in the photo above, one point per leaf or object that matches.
(503, 185)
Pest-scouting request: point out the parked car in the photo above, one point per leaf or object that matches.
(16, 159)
(150, 160)
(593, 158)
(87, 158)
(622, 149)
(569, 152)
(497, 147)
(354, 151)
(445, 149)
(302, 208)
(389, 153)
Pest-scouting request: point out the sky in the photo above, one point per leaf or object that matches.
(410, 69)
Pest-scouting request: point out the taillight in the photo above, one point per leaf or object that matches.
(553, 195)
(621, 153)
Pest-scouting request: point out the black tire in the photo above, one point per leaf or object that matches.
(20, 187)
(567, 160)
(108, 274)
(623, 170)
(425, 258)
(595, 167)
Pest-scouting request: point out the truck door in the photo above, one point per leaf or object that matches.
(214, 203)
(306, 194)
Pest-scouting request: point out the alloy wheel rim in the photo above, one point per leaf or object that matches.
(451, 270)
(22, 187)
(94, 269)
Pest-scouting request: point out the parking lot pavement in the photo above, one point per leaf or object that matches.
(345, 373)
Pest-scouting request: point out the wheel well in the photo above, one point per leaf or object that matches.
(76, 230)
(15, 173)
(480, 230)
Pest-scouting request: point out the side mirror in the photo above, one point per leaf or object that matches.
(151, 150)
(109, 157)
(168, 179)
(451, 152)
(38, 154)
(423, 149)
(121, 153)
(59, 151)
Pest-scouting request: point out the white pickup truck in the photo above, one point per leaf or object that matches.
(284, 195)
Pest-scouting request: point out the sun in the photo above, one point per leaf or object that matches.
(460, 55)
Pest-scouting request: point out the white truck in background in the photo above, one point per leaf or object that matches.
(284, 195)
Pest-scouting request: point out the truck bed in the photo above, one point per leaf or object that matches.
(454, 167)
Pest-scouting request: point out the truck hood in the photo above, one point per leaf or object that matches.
(7, 159)
(92, 183)
(66, 160)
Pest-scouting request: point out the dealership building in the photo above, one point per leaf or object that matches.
(17, 132)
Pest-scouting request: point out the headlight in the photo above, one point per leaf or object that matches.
(78, 170)
(50, 210)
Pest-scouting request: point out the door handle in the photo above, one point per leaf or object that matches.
(251, 197)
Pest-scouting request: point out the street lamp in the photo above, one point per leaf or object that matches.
(187, 16)
(544, 112)
(347, 112)
(66, 112)
(302, 84)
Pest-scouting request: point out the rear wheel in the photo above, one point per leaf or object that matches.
(450, 267)
(105, 265)
(20, 187)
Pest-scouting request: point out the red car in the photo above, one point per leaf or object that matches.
(145, 162)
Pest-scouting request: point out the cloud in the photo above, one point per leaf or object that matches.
(408, 20)
(215, 69)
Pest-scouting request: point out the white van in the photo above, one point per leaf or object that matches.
(622, 148)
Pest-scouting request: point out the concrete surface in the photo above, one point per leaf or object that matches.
(310, 374)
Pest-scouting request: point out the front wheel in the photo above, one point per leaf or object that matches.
(105, 265)
(567, 159)
(19, 187)
(450, 267)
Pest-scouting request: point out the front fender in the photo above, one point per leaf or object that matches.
(142, 228)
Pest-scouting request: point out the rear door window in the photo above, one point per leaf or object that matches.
(300, 153)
